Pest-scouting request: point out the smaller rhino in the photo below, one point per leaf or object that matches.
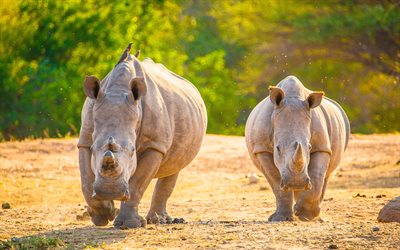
(296, 138)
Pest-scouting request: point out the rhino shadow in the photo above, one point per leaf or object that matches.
(72, 238)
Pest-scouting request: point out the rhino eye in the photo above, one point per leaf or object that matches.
(278, 149)
(132, 149)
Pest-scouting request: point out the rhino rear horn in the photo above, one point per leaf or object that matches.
(111, 141)
(137, 54)
(112, 145)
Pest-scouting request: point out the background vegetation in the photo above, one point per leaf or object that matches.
(231, 50)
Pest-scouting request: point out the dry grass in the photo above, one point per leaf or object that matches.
(40, 179)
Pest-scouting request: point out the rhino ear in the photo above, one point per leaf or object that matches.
(138, 87)
(276, 95)
(91, 87)
(314, 99)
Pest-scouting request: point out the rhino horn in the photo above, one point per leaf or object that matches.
(137, 53)
(109, 162)
(111, 141)
(125, 55)
(112, 145)
(298, 161)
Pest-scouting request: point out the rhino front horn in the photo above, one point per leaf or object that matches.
(298, 162)
(108, 157)
(109, 164)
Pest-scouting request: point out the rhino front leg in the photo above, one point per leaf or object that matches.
(162, 192)
(308, 204)
(284, 200)
(100, 211)
(147, 167)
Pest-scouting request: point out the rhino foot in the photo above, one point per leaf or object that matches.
(129, 220)
(159, 218)
(307, 213)
(281, 216)
(101, 216)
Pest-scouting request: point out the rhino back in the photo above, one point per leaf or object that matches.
(258, 132)
(330, 126)
(174, 118)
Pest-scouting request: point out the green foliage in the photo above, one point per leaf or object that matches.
(231, 50)
(32, 242)
(349, 49)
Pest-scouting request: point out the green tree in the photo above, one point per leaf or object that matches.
(350, 49)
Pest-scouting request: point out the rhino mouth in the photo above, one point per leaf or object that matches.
(110, 189)
(112, 196)
(292, 185)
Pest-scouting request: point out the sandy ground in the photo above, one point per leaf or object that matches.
(40, 180)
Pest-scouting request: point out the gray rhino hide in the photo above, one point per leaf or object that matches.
(174, 117)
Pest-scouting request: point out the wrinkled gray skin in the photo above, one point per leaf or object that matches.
(296, 138)
(140, 122)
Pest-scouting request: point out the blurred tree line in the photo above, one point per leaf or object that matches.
(231, 50)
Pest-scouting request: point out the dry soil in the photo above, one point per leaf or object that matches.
(40, 180)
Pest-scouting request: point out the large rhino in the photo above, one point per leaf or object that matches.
(140, 122)
(296, 138)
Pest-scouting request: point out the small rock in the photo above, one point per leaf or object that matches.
(178, 221)
(263, 188)
(84, 216)
(391, 211)
(5, 205)
(375, 229)
(333, 246)
(190, 210)
(183, 238)
(360, 195)
(253, 178)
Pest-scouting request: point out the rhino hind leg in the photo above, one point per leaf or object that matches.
(284, 200)
(148, 165)
(158, 209)
(308, 204)
(101, 212)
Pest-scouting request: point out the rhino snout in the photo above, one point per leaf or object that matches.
(116, 193)
(112, 196)
(296, 184)
(110, 189)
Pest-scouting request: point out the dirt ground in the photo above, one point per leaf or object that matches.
(40, 180)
